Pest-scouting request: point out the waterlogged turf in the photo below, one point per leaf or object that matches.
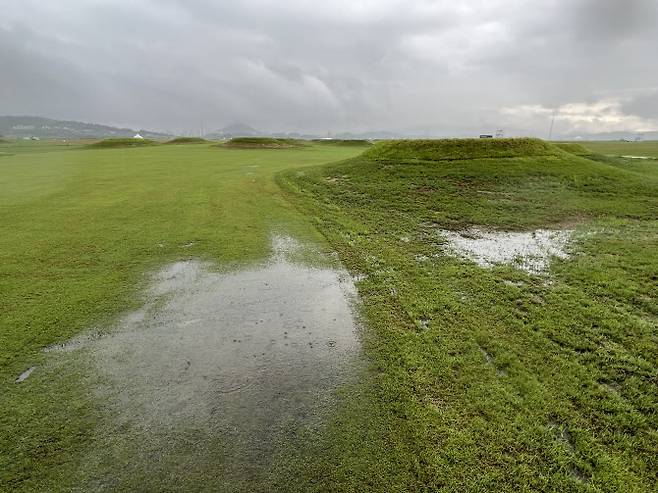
(220, 373)
(511, 306)
(82, 232)
(507, 299)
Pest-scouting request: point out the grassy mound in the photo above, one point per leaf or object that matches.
(122, 142)
(263, 143)
(488, 361)
(188, 140)
(453, 149)
(344, 142)
(573, 148)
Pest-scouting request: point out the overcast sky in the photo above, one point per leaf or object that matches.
(437, 67)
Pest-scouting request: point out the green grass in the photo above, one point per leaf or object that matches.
(344, 142)
(263, 143)
(573, 148)
(188, 140)
(79, 230)
(32, 147)
(479, 383)
(476, 382)
(122, 142)
(451, 149)
(616, 148)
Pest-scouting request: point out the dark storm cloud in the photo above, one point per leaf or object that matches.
(440, 67)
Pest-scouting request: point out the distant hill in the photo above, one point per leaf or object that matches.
(44, 128)
(235, 130)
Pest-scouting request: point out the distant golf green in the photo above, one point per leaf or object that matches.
(479, 377)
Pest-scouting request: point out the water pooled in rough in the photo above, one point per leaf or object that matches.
(220, 369)
(529, 251)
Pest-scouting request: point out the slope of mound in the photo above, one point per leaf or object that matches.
(573, 148)
(188, 140)
(262, 143)
(454, 149)
(448, 256)
(114, 143)
(344, 142)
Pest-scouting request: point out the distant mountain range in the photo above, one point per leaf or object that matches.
(235, 130)
(47, 128)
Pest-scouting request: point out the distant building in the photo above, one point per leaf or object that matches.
(486, 136)
(137, 136)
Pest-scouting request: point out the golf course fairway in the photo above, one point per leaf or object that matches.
(447, 315)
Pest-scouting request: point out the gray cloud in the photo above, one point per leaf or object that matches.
(442, 67)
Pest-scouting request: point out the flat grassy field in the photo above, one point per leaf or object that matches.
(478, 379)
(491, 379)
(647, 148)
(79, 228)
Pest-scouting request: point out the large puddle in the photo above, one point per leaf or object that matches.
(221, 370)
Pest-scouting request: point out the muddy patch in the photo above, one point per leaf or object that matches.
(531, 251)
(223, 370)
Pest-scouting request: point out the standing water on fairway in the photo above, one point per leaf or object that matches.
(219, 372)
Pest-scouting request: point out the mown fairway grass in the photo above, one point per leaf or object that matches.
(491, 379)
(646, 148)
(79, 230)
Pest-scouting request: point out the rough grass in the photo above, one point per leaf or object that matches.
(344, 142)
(188, 140)
(573, 148)
(263, 143)
(455, 149)
(122, 142)
(491, 379)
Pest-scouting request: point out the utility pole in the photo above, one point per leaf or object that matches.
(550, 131)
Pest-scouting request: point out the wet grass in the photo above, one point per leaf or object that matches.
(647, 148)
(79, 232)
(573, 148)
(455, 149)
(344, 142)
(188, 140)
(263, 143)
(122, 142)
(492, 379)
(479, 380)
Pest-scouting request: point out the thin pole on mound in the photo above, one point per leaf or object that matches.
(550, 131)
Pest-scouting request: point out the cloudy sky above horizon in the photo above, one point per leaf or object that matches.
(433, 67)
